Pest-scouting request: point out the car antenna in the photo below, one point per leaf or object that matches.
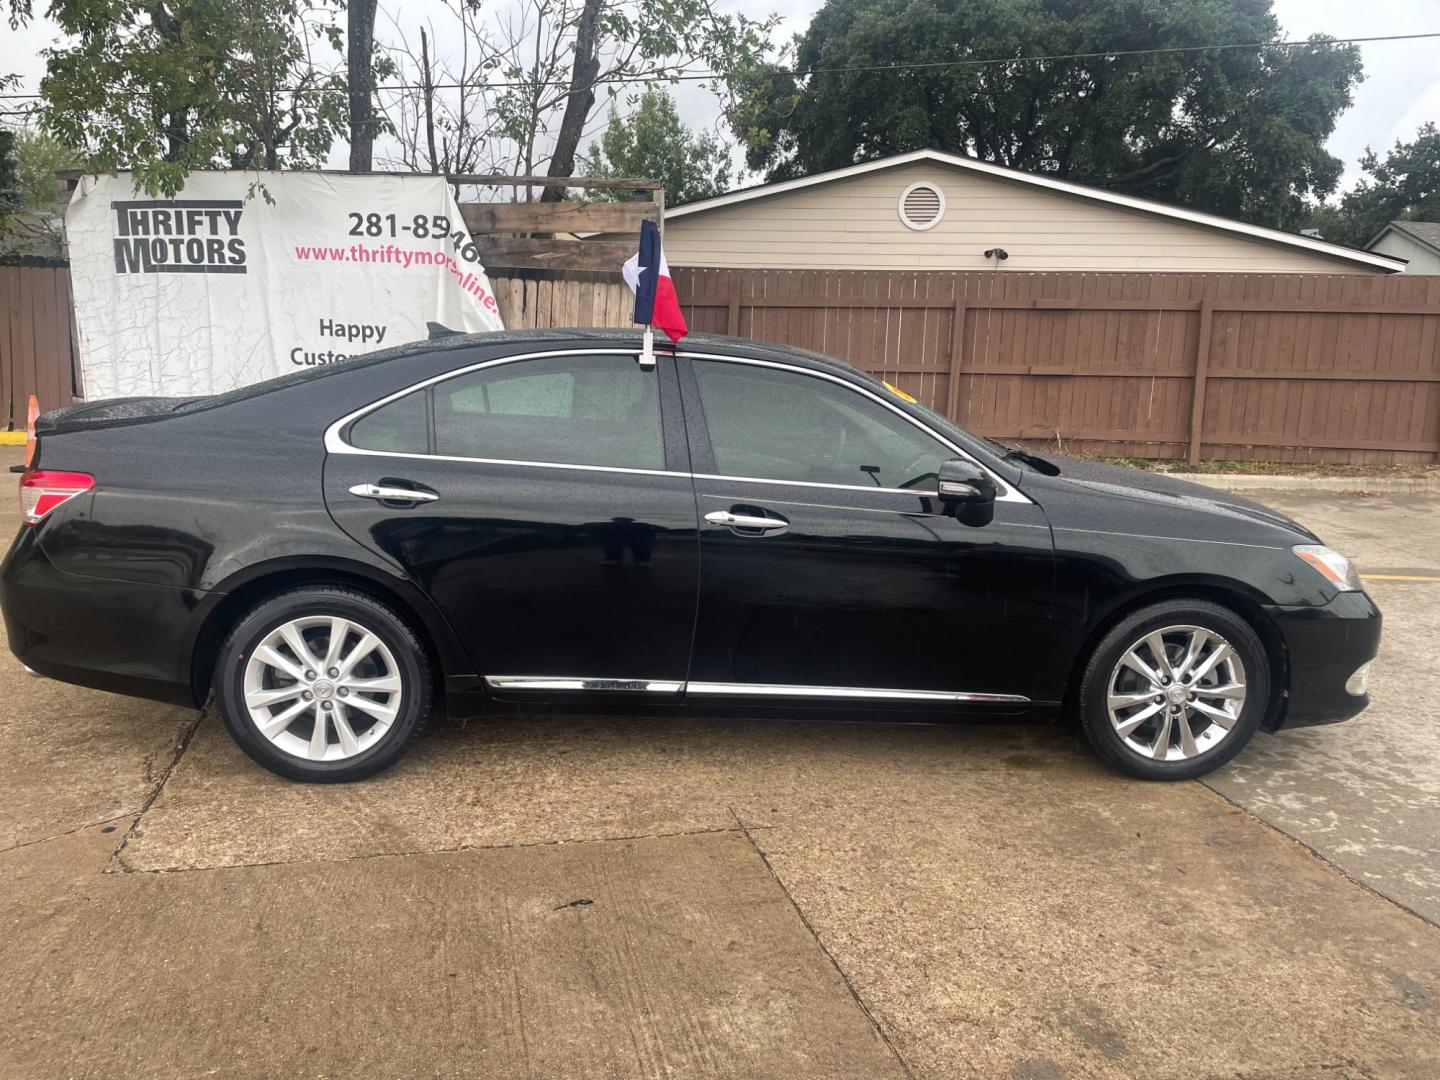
(436, 331)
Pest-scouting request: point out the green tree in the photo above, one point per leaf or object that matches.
(553, 56)
(38, 156)
(9, 170)
(1239, 132)
(32, 161)
(161, 87)
(652, 142)
(1405, 185)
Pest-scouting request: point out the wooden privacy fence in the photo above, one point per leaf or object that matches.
(35, 344)
(1342, 368)
(529, 302)
(1302, 367)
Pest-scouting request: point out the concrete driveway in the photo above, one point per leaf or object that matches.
(612, 897)
(1366, 795)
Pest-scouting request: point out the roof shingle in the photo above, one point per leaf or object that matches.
(1427, 232)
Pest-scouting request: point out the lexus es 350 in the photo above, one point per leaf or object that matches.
(338, 554)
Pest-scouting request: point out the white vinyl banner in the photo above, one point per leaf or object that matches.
(220, 287)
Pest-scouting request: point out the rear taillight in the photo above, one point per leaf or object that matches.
(42, 490)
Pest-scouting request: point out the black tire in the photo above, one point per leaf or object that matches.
(411, 663)
(1095, 718)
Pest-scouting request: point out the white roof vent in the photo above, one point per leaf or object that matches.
(922, 206)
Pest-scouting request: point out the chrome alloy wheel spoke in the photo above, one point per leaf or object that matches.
(323, 688)
(1127, 727)
(1176, 693)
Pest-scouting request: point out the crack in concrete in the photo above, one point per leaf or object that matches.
(184, 744)
(746, 830)
(1334, 867)
(364, 856)
(68, 832)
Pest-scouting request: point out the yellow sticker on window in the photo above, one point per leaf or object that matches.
(901, 394)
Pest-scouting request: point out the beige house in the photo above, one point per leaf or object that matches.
(1417, 242)
(928, 210)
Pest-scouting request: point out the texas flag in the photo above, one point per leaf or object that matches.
(648, 275)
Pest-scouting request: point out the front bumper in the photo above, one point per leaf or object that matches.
(1324, 647)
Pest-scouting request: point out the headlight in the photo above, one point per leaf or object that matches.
(1331, 565)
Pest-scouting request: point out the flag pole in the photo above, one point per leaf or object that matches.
(647, 349)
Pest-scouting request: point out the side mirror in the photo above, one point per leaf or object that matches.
(962, 483)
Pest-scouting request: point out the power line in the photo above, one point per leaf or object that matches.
(860, 69)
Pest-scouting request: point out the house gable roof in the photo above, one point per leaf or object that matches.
(1424, 233)
(1369, 259)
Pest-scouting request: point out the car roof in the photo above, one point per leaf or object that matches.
(630, 338)
(502, 342)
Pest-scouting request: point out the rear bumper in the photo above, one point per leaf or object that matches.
(120, 636)
(1324, 647)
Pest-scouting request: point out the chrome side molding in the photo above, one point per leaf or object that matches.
(562, 682)
(725, 689)
(722, 689)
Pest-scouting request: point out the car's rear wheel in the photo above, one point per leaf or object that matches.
(1175, 690)
(323, 684)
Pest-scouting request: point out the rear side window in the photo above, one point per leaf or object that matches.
(565, 410)
(578, 410)
(398, 428)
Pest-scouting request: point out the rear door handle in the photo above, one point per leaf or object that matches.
(746, 521)
(392, 494)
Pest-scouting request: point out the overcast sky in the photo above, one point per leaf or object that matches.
(1400, 92)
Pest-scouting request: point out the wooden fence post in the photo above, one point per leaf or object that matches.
(1202, 370)
(732, 318)
(957, 349)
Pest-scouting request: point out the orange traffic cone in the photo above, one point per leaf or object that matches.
(31, 415)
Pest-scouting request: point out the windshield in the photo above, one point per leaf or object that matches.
(1004, 450)
(949, 427)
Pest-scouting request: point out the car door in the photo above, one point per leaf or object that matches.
(545, 503)
(827, 566)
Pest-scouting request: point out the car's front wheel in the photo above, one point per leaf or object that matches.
(1175, 690)
(323, 684)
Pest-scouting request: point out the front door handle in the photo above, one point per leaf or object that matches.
(746, 521)
(392, 494)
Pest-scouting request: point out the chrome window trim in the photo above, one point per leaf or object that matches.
(1007, 492)
(511, 461)
(726, 689)
(810, 484)
(865, 509)
(831, 506)
(335, 444)
(569, 682)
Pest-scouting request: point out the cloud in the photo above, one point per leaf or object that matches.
(1424, 109)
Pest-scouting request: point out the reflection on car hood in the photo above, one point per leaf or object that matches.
(1125, 482)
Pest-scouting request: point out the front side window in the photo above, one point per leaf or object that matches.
(772, 424)
(576, 410)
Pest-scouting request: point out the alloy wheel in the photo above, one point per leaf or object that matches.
(1176, 693)
(323, 688)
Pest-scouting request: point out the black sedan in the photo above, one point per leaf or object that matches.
(340, 553)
